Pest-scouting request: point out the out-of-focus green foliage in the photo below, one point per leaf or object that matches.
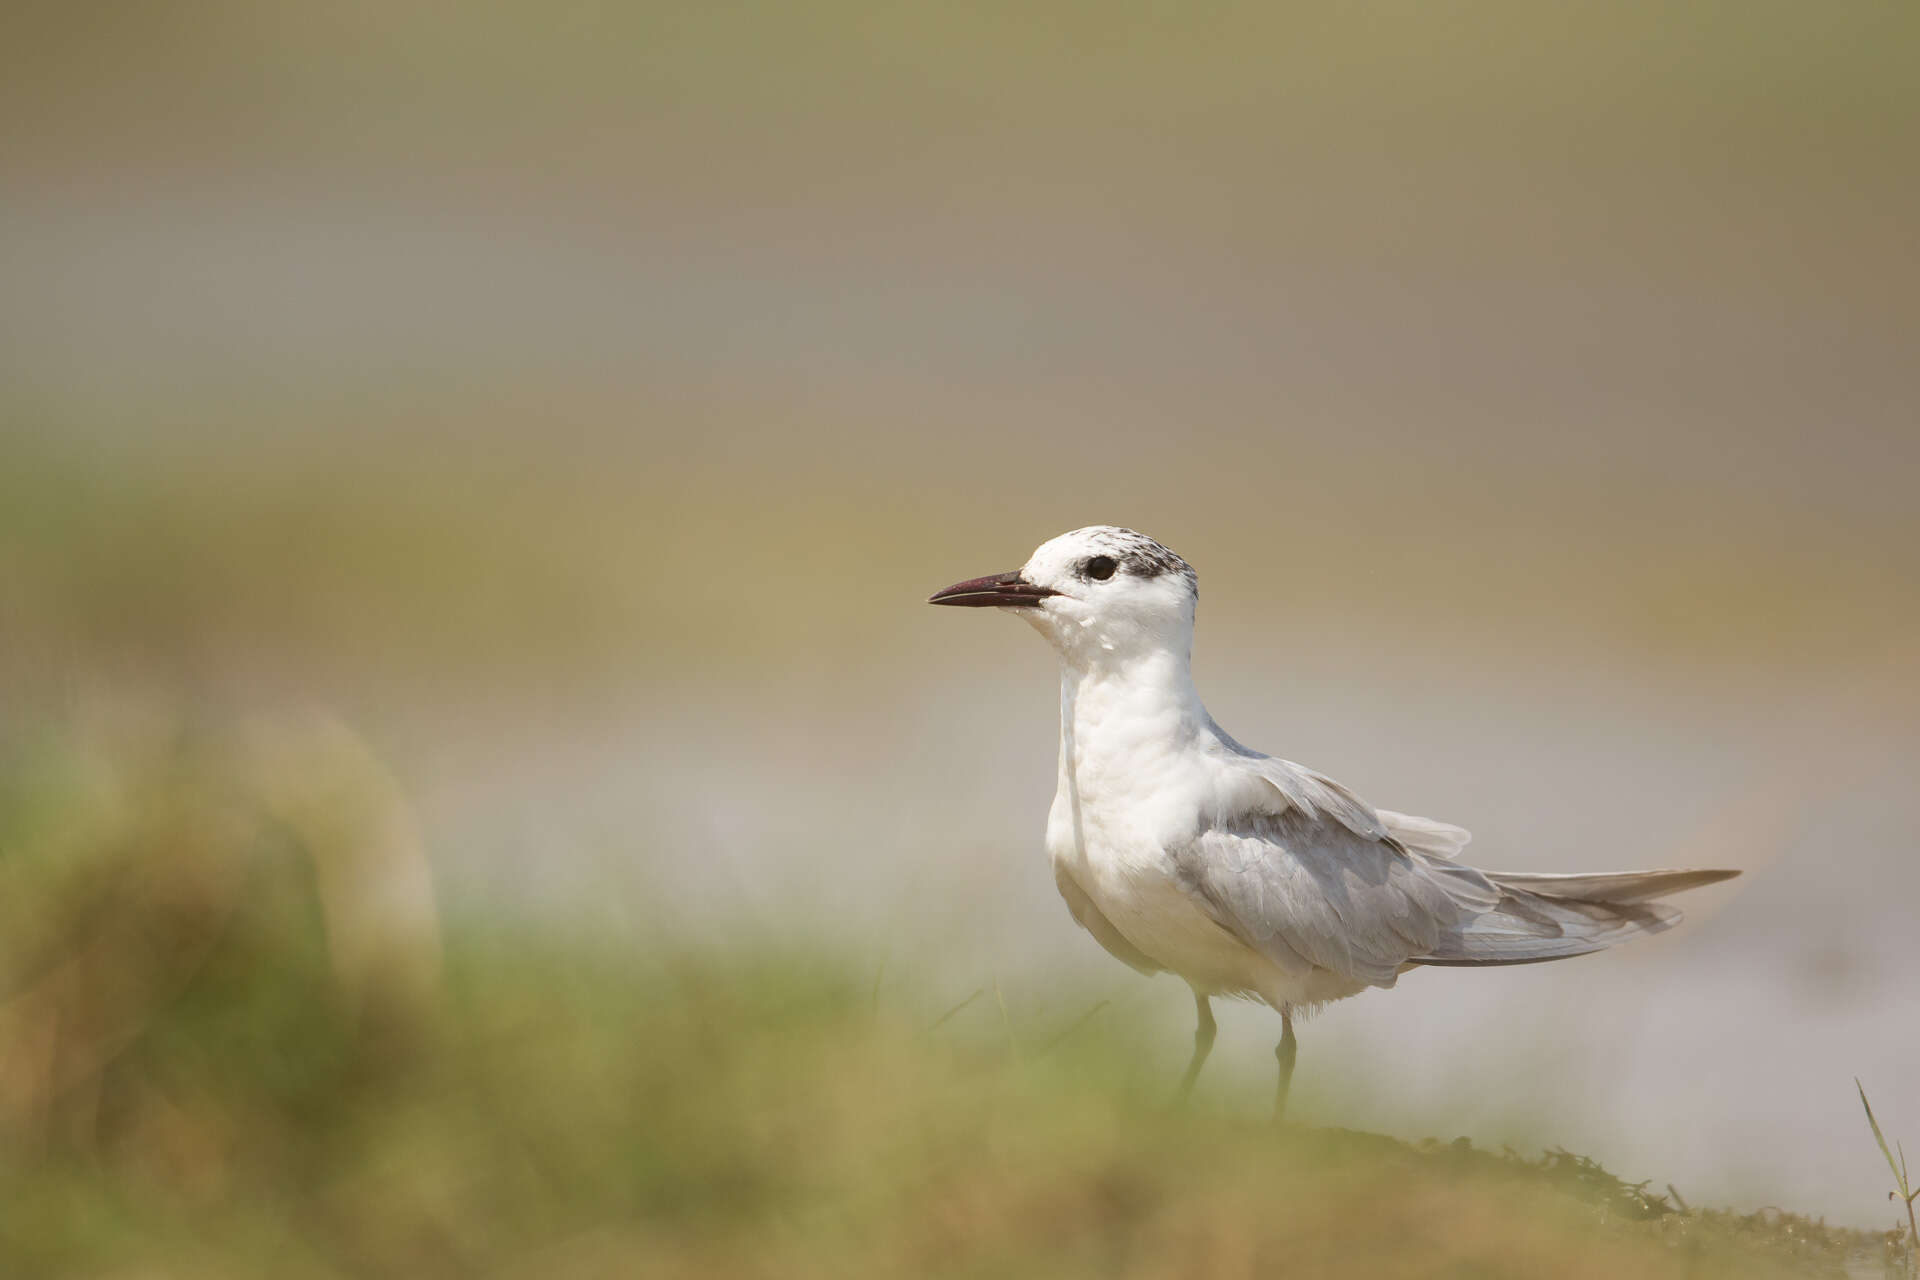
(198, 1081)
(379, 555)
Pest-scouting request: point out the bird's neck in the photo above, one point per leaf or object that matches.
(1120, 717)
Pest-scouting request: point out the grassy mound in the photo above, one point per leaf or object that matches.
(207, 1069)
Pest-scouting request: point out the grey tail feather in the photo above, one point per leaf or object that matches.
(1609, 887)
(1550, 917)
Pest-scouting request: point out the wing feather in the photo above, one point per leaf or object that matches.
(1311, 877)
(1610, 886)
(1424, 835)
(1305, 888)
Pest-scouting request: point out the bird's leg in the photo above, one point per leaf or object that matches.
(1202, 1045)
(1286, 1051)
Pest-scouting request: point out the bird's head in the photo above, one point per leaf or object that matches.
(1097, 593)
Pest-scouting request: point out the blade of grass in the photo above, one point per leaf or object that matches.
(1899, 1174)
(1006, 1020)
(1907, 1193)
(1076, 1024)
(942, 1019)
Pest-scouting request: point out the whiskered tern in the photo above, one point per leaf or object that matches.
(1178, 849)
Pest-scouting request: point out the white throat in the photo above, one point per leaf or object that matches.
(1123, 715)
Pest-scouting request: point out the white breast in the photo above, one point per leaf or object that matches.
(1118, 810)
(1124, 800)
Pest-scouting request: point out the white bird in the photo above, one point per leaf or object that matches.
(1178, 849)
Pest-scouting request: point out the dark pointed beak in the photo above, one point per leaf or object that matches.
(1000, 589)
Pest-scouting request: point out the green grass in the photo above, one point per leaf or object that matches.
(1904, 1192)
(192, 1083)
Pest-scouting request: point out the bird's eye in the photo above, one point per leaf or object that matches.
(1100, 568)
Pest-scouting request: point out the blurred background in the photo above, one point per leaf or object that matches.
(503, 449)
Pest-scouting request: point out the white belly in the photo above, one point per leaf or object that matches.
(1134, 786)
(1133, 888)
(1162, 920)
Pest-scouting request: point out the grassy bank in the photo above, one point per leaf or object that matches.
(219, 1060)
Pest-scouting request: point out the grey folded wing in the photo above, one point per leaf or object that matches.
(1309, 892)
(1314, 878)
